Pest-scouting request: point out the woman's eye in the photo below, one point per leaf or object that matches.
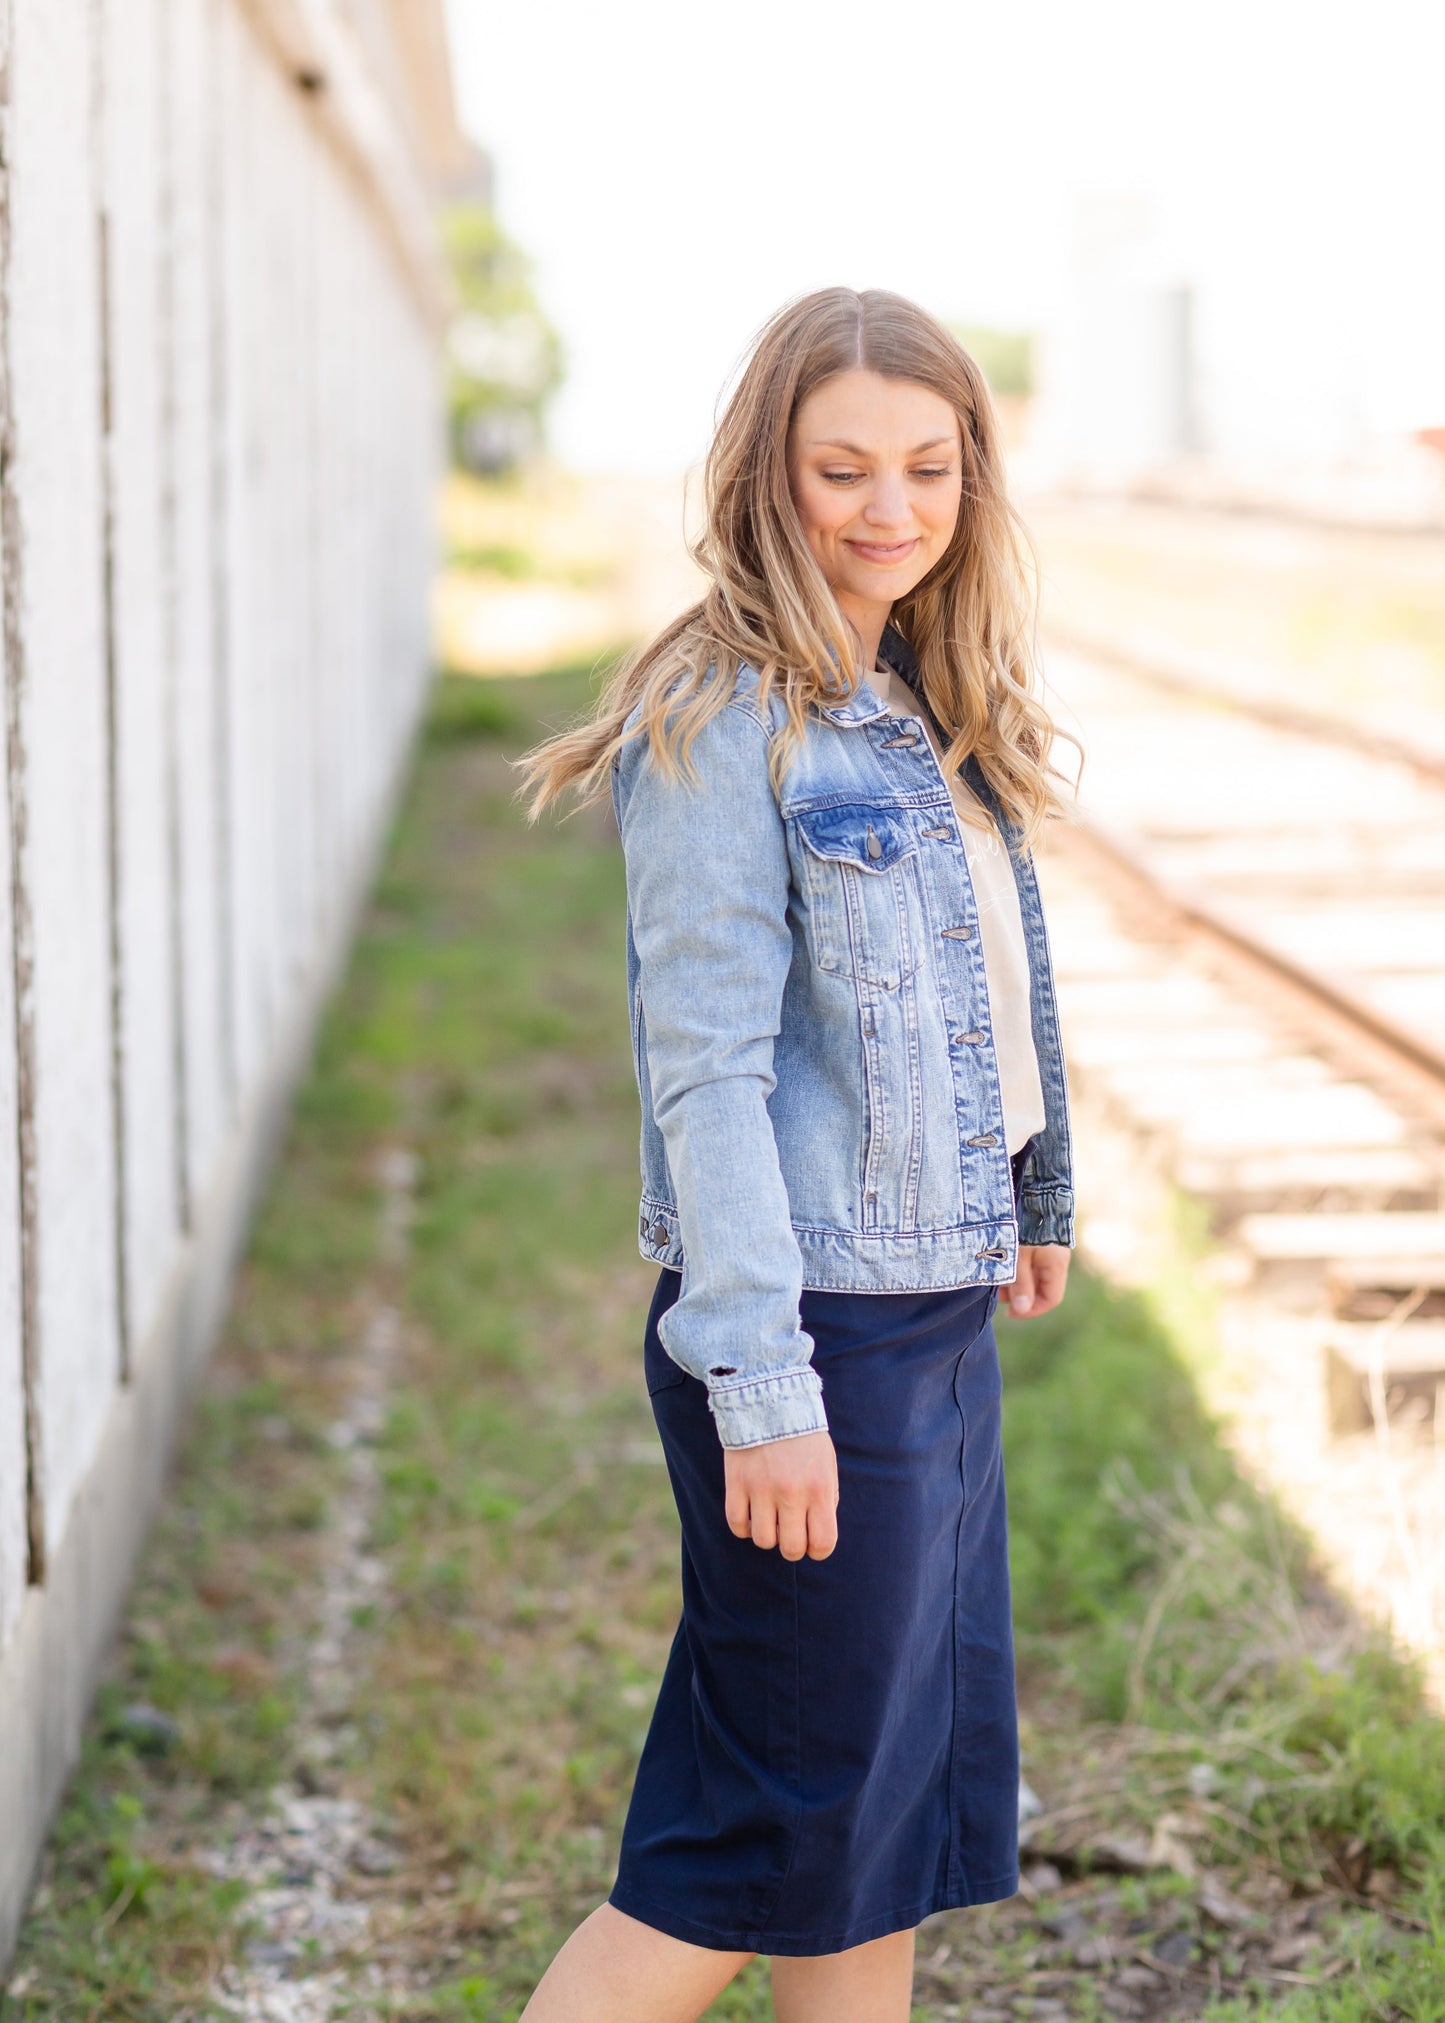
(842, 477)
(936, 471)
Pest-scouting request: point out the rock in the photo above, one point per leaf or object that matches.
(373, 1857)
(1067, 1921)
(1138, 1979)
(1174, 1948)
(1043, 1878)
(1121, 1851)
(148, 1731)
(1167, 1848)
(316, 1781)
(1093, 1952)
(1288, 1952)
(269, 1953)
(1203, 1780)
(1222, 1909)
(1030, 1804)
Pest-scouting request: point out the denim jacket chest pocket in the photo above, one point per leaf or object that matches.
(858, 867)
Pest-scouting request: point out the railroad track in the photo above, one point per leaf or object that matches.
(1249, 927)
(1296, 719)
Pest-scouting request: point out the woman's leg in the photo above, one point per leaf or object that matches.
(614, 1969)
(867, 1984)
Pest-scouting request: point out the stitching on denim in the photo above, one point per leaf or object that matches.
(770, 1377)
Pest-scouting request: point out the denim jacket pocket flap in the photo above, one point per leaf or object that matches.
(866, 838)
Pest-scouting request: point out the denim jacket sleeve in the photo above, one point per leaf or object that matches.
(708, 884)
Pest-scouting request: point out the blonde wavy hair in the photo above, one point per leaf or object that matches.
(971, 621)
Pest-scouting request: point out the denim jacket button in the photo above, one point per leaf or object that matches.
(658, 1232)
(970, 1039)
(988, 1138)
(875, 848)
(957, 933)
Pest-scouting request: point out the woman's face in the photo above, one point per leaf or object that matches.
(876, 473)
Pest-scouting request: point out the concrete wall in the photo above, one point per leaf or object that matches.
(219, 421)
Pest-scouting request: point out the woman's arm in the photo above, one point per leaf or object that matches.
(708, 885)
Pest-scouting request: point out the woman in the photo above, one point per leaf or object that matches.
(854, 1142)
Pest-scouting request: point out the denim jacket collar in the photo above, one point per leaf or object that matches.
(895, 652)
(865, 706)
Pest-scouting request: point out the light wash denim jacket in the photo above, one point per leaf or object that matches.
(810, 1030)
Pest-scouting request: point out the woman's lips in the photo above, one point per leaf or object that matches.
(883, 551)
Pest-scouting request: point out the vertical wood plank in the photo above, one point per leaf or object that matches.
(199, 744)
(18, 946)
(244, 421)
(61, 720)
(14, 1551)
(217, 99)
(132, 194)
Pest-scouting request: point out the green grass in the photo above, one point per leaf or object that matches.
(1122, 1498)
(1177, 1654)
(496, 558)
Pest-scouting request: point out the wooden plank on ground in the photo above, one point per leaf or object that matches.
(1373, 1236)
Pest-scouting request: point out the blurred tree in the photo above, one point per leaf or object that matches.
(505, 357)
(1005, 357)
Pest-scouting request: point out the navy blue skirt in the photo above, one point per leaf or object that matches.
(834, 1751)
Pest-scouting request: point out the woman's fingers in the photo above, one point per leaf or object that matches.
(764, 1527)
(793, 1531)
(1019, 1297)
(822, 1530)
(1051, 1273)
(784, 1493)
(799, 1530)
(1039, 1281)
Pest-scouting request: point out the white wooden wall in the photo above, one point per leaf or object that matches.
(219, 408)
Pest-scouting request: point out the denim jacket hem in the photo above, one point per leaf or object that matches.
(874, 1261)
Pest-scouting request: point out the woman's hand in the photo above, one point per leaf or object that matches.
(1043, 1270)
(784, 1493)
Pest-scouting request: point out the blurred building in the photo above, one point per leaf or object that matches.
(1152, 385)
(220, 308)
(1117, 364)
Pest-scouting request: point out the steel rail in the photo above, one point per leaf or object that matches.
(1317, 725)
(1410, 1069)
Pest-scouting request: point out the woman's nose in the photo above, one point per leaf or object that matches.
(887, 504)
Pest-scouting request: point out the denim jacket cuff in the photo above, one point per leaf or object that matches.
(1046, 1215)
(768, 1408)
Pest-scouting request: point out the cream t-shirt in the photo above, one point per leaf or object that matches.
(1001, 931)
